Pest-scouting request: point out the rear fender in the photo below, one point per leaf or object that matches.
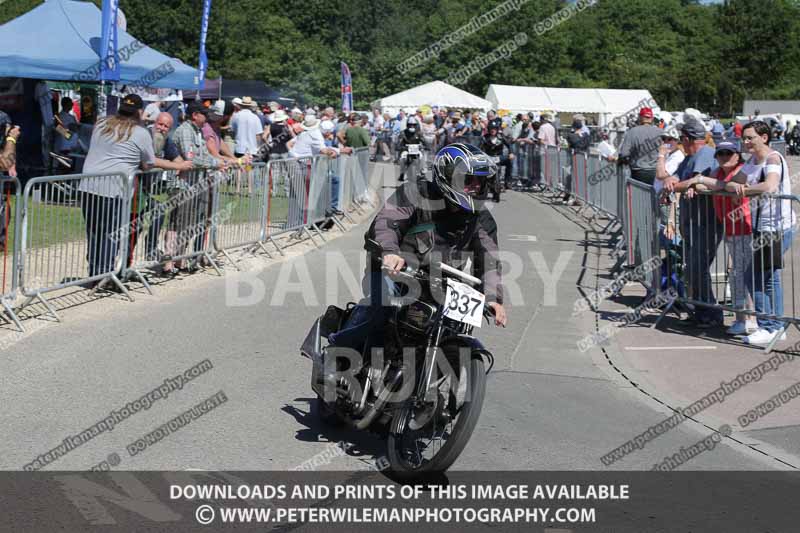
(312, 345)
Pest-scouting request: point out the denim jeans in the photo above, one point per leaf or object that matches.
(366, 321)
(334, 191)
(768, 291)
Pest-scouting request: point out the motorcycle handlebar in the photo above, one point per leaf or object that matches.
(447, 269)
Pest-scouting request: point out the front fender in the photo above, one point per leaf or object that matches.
(475, 345)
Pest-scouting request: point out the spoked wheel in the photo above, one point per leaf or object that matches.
(428, 437)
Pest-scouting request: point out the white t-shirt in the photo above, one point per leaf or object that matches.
(772, 214)
(377, 123)
(606, 149)
(247, 127)
(672, 163)
(308, 144)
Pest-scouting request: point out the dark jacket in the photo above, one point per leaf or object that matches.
(406, 139)
(578, 142)
(495, 146)
(404, 228)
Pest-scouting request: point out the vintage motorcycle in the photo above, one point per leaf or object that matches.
(423, 388)
(413, 161)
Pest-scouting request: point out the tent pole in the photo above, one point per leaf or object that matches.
(102, 103)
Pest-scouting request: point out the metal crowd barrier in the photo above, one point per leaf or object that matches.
(289, 180)
(565, 174)
(361, 177)
(240, 213)
(71, 234)
(580, 184)
(551, 168)
(10, 207)
(641, 230)
(170, 219)
(94, 230)
(718, 252)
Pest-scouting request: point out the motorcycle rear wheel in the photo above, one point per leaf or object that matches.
(405, 456)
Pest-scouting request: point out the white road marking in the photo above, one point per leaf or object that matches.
(527, 238)
(650, 348)
(522, 338)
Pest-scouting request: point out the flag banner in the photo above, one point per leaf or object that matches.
(109, 58)
(203, 34)
(347, 89)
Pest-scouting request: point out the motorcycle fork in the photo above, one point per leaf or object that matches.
(426, 372)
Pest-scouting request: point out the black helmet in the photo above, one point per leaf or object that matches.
(412, 124)
(460, 173)
(495, 123)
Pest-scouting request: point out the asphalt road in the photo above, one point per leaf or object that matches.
(548, 406)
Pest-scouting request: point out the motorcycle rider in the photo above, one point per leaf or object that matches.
(794, 139)
(410, 135)
(439, 218)
(494, 145)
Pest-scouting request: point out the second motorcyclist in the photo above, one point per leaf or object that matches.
(499, 150)
(409, 137)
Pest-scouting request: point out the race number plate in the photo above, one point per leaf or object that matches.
(464, 303)
(496, 158)
(413, 149)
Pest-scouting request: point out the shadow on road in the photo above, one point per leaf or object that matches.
(366, 445)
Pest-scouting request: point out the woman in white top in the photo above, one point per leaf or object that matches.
(773, 219)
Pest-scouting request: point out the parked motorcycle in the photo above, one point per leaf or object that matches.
(424, 387)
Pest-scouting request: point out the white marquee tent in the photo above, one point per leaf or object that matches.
(435, 93)
(606, 103)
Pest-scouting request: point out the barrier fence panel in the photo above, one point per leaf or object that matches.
(535, 169)
(72, 233)
(9, 239)
(287, 208)
(170, 220)
(344, 165)
(642, 231)
(593, 191)
(564, 171)
(522, 165)
(361, 177)
(551, 166)
(240, 213)
(319, 198)
(579, 176)
(736, 254)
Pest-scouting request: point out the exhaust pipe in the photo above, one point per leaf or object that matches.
(375, 410)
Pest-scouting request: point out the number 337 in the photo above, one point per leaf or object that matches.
(461, 303)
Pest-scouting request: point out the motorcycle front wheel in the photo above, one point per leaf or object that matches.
(428, 438)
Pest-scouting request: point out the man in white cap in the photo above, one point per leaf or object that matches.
(246, 126)
(310, 142)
